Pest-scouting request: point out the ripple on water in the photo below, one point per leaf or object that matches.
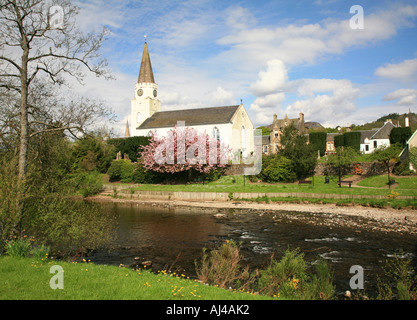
(330, 256)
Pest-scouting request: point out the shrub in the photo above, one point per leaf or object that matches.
(10, 192)
(399, 280)
(18, 248)
(278, 276)
(88, 183)
(222, 267)
(121, 170)
(279, 169)
(40, 252)
(142, 175)
(68, 225)
(288, 277)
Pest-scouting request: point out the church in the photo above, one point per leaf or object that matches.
(230, 124)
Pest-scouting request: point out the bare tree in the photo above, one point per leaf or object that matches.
(41, 44)
(36, 41)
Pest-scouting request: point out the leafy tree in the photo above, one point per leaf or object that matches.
(389, 156)
(92, 152)
(265, 131)
(295, 148)
(342, 159)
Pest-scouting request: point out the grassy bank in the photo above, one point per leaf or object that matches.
(374, 203)
(29, 279)
(406, 186)
(371, 186)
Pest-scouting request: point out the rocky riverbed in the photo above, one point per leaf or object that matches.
(378, 219)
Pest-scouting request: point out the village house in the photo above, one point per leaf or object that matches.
(272, 143)
(377, 138)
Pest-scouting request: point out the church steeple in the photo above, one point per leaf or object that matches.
(145, 102)
(146, 73)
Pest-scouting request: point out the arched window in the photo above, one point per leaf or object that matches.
(216, 133)
(138, 117)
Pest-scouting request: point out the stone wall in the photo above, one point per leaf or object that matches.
(368, 168)
(224, 196)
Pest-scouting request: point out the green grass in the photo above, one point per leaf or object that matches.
(403, 183)
(27, 279)
(407, 185)
(376, 203)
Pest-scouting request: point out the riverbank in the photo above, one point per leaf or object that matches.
(382, 219)
(28, 279)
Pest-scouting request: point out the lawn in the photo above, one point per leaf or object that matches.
(407, 186)
(27, 279)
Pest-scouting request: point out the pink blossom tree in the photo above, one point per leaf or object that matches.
(184, 149)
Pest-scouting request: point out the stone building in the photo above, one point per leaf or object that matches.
(272, 143)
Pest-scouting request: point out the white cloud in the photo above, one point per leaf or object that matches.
(222, 97)
(321, 100)
(405, 97)
(239, 18)
(405, 71)
(263, 108)
(306, 43)
(271, 80)
(192, 72)
(328, 101)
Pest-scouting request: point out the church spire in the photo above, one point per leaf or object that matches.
(146, 73)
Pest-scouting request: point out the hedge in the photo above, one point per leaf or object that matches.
(318, 140)
(400, 135)
(131, 146)
(348, 139)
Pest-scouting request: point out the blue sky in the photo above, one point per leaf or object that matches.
(279, 57)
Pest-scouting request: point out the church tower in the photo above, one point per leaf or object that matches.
(145, 103)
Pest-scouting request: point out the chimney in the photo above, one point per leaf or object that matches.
(275, 117)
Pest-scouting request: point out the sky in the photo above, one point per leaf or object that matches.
(339, 62)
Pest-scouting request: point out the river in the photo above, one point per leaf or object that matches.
(173, 238)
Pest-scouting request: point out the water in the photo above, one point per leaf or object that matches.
(173, 238)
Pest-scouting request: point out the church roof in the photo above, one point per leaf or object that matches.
(146, 73)
(191, 117)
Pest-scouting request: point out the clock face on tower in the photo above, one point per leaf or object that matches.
(155, 93)
(140, 92)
